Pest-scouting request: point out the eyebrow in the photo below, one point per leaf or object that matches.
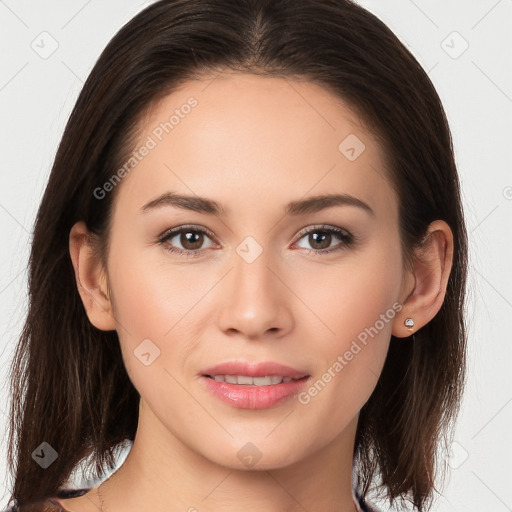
(294, 208)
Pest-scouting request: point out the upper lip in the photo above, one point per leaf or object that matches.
(250, 369)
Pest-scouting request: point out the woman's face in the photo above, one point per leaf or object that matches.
(260, 278)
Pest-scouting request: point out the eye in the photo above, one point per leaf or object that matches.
(191, 239)
(321, 237)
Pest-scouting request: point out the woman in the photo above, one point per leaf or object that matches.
(249, 261)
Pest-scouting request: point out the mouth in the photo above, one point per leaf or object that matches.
(247, 385)
(253, 392)
(246, 380)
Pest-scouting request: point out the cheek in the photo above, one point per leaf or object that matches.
(357, 310)
(154, 306)
(351, 295)
(152, 298)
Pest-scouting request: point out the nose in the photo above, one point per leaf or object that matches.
(255, 301)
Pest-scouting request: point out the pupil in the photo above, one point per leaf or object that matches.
(188, 238)
(324, 237)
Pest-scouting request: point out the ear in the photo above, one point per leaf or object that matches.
(425, 284)
(90, 278)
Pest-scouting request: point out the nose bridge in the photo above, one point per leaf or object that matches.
(255, 299)
(254, 283)
(252, 273)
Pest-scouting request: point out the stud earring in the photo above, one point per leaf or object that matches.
(409, 323)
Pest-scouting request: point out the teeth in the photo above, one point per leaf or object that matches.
(252, 381)
(241, 379)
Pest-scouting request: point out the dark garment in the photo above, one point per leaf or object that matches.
(50, 505)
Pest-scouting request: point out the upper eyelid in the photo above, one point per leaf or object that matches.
(178, 229)
(321, 227)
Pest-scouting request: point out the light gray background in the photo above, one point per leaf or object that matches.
(475, 85)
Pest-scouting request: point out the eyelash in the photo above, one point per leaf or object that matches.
(347, 239)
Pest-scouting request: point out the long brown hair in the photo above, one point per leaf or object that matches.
(69, 385)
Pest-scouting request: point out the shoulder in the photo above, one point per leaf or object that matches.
(50, 504)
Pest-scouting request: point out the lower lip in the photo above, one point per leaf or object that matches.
(254, 397)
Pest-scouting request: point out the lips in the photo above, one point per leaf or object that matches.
(247, 385)
(248, 369)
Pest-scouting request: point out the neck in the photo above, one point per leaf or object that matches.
(163, 474)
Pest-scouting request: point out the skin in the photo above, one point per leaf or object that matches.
(252, 144)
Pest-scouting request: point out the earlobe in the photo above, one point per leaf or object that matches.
(90, 278)
(430, 273)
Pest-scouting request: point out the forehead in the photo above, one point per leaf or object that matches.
(255, 136)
